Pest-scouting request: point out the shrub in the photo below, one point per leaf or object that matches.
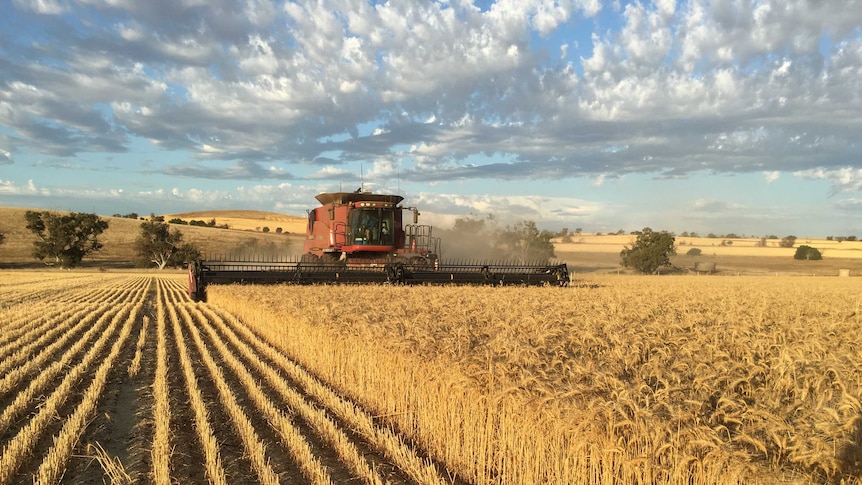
(807, 252)
(694, 252)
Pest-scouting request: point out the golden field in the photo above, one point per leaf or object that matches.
(115, 377)
(118, 377)
(674, 379)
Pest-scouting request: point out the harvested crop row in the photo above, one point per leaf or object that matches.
(254, 448)
(290, 436)
(22, 443)
(382, 438)
(161, 448)
(67, 324)
(206, 434)
(32, 359)
(48, 288)
(54, 463)
(346, 450)
(32, 318)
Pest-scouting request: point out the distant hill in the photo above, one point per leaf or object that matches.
(120, 237)
(246, 220)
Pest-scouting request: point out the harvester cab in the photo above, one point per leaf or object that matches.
(362, 227)
(360, 237)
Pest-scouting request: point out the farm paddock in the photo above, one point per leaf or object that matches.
(617, 379)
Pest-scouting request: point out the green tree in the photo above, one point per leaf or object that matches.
(159, 244)
(524, 242)
(649, 252)
(66, 239)
(807, 252)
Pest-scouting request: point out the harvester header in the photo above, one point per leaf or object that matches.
(361, 237)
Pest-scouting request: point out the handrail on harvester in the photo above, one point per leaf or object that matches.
(223, 271)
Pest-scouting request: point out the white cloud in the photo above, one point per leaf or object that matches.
(507, 209)
(44, 7)
(771, 176)
(844, 179)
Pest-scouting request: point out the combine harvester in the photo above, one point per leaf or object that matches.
(359, 237)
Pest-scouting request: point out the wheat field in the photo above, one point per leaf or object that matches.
(614, 380)
(120, 378)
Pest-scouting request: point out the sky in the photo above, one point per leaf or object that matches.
(721, 116)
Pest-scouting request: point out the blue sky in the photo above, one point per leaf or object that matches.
(711, 116)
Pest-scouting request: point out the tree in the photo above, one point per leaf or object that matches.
(66, 239)
(160, 244)
(649, 252)
(524, 242)
(2, 238)
(807, 252)
(787, 242)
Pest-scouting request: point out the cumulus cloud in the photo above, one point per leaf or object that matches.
(682, 84)
(844, 179)
(443, 208)
(435, 92)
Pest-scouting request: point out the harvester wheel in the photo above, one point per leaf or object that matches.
(328, 258)
(309, 258)
(395, 273)
(418, 263)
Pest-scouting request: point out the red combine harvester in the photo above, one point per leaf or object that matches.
(360, 237)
